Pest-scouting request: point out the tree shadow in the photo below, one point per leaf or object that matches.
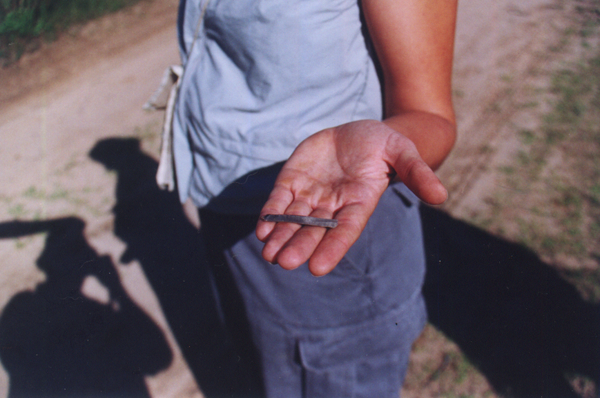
(56, 342)
(212, 332)
(513, 316)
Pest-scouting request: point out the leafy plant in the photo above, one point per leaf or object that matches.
(23, 21)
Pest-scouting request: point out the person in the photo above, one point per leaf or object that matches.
(337, 109)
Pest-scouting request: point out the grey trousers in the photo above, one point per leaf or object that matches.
(347, 334)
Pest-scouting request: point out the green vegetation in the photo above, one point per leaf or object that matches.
(549, 195)
(17, 211)
(22, 22)
(570, 133)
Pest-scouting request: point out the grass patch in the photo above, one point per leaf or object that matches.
(17, 211)
(549, 198)
(527, 137)
(34, 193)
(24, 22)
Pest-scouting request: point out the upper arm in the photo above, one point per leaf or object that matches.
(414, 41)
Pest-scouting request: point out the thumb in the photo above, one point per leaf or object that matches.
(412, 170)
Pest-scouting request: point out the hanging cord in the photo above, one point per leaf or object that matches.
(171, 80)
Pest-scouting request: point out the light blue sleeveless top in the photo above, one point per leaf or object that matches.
(262, 76)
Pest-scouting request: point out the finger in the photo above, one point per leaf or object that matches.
(279, 200)
(337, 241)
(420, 179)
(412, 170)
(283, 232)
(301, 246)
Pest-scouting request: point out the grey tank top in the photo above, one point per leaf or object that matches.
(261, 76)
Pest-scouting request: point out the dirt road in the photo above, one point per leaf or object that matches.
(58, 103)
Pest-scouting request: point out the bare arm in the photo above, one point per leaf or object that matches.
(414, 41)
(342, 172)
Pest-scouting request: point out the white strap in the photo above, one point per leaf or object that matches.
(165, 175)
(171, 80)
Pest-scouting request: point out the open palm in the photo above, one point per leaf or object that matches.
(339, 173)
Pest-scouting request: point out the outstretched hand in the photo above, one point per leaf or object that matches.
(339, 173)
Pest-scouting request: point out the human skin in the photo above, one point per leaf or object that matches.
(342, 171)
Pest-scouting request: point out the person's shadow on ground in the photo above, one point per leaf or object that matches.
(211, 330)
(56, 342)
(521, 324)
(514, 317)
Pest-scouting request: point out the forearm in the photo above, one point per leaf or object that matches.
(414, 41)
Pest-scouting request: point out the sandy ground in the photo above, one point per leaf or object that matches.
(58, 102)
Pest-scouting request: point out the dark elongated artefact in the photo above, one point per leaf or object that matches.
(302, 220)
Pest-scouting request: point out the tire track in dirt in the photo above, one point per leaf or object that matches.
(496, 70)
